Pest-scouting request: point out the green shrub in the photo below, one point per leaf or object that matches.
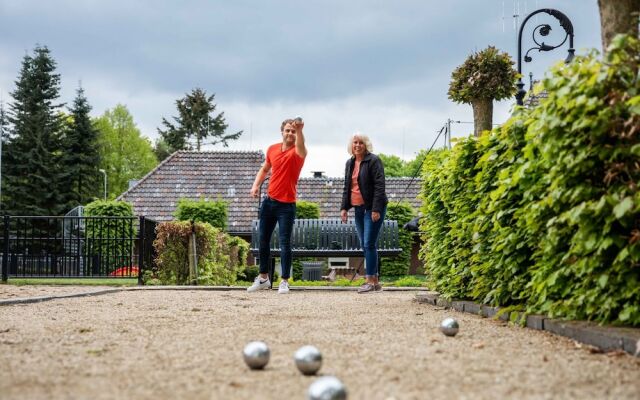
(409, 281)
(399, 265)
(212, 212)
(220, 256)
(307, 210)
(110, 239)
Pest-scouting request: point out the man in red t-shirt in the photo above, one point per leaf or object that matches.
(285, 161)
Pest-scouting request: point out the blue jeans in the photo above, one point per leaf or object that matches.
(368, 233)
(274, 212)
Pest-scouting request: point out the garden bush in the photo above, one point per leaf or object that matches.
(212, 212)
(307, 210)
(399, 265)
(220, 256)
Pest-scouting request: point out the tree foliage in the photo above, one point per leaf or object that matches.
(487, 74)
(196, 122)
(81, 155)
(31, 170)
(124, 153)
(307, 210)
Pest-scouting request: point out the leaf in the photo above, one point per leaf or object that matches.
(602, 281)
(623, 207)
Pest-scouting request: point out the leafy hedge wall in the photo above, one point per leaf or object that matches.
(111, 239)
(543, 213)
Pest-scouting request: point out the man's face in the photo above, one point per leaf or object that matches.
(288, 134)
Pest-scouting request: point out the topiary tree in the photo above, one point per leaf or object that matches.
(484, 76)
(307, 210)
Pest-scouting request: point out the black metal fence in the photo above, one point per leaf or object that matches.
(117, 247)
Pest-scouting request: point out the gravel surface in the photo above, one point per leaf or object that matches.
(188, 344)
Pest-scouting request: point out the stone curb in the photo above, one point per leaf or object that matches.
(606, 338)
(28, 300)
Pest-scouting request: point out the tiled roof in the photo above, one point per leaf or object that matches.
(327, 193)
(228, 175)
(212, 175)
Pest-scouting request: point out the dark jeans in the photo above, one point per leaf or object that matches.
(368, 232)
(273, 212)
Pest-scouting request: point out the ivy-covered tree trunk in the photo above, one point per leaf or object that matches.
(618, 16)
(482, 115)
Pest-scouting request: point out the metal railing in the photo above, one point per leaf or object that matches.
(74, 246)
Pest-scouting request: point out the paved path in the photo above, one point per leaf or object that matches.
(188, 344)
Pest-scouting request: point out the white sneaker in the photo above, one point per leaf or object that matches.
(258, 284)
(283, 288)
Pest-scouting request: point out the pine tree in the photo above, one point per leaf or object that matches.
(196, 122)
(81, 156)
(4, 136)
(34, 147)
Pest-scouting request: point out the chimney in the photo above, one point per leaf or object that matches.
(318, 174)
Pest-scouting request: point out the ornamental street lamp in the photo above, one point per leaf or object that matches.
(105, 182)
(542, 30)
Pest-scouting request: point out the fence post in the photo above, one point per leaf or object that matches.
(141, 249)
(5, 254)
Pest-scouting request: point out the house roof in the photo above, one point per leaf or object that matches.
(228, 175)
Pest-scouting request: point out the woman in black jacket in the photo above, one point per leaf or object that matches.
(364, 190)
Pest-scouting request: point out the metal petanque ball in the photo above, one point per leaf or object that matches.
(327, 388)
(256, 355)
(449, 327)
(298, 119)
(308, 360)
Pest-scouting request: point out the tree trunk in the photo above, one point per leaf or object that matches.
(618, 16)
(482, 115)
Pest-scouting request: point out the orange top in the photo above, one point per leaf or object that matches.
(356, 196)
(285, 171)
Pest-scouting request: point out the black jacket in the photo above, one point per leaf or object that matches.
(370, 180)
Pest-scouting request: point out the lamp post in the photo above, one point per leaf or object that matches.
(543, 30)
(105, 182)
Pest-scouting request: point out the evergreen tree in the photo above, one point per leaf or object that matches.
(4, 136)
(81, 155)
(196, 121)
(34, 146)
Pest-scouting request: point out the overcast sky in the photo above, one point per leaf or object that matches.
(379, 67)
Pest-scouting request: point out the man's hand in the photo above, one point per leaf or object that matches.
(343, 215)
(254, 191)
(375, 216)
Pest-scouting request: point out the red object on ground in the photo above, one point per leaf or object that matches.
(125, 271)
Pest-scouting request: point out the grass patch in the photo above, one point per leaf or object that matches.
(74, 281)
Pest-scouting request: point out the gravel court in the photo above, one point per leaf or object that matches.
(188, 344)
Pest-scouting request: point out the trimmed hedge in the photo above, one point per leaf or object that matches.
(212, 212)
(399, 265)
(543, 213)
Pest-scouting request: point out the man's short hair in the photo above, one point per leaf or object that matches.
(284, 123)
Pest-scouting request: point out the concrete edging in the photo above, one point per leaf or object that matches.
(606, 338)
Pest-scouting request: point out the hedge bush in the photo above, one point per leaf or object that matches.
(212, 212)
(307, 210)
(399, 265)
(544, 212)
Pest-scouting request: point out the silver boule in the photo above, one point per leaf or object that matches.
(298, 119)
(308, 360)
(327, 388)
(449, 326)
(256, 354)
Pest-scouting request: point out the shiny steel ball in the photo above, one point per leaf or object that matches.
(327, 388)
(298, 119)
(256, 355)
(449, 327)
(308, 360)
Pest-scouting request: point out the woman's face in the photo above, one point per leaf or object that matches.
(358, 148)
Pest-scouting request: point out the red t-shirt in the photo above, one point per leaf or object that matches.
(285, 171)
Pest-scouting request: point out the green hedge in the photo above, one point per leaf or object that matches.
(543, 213)
(399, 265)
(307, 210)
(212, 212)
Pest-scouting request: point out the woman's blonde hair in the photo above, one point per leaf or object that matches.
(365, 139)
